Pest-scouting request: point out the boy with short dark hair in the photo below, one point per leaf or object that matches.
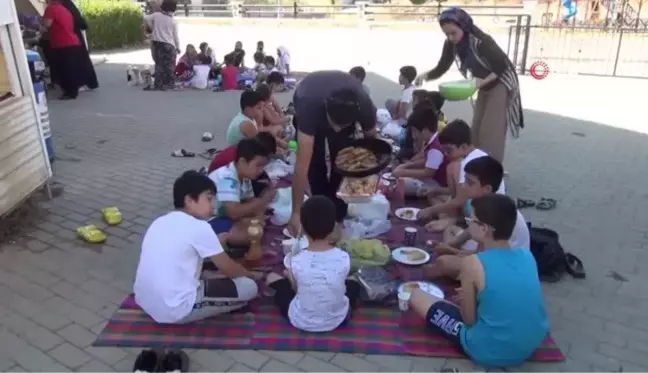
(429, 170)
(457, 146)
(498, 318)
(483, 177)
(244, 124)
(235, 198)
(315, 295)
(167, 285)
(401, 109)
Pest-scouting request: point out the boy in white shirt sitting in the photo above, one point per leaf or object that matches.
(315, 295)
(484, 176)
(458, 148)
(168, 284)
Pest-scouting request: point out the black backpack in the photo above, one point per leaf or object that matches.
(551, 258)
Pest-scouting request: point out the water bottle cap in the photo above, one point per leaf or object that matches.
(292, 145)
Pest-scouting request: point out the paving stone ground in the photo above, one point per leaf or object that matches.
(113, 149)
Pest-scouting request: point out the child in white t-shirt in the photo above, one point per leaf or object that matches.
(315, 295)
(168, 283)
(400, 109)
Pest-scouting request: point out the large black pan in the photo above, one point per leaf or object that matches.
(380, 148)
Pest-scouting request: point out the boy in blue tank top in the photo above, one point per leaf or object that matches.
(499, 319)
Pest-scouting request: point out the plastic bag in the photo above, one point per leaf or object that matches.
(392, 129)
(361, 228)
(277, 169)
(282, 206)
(377, 208)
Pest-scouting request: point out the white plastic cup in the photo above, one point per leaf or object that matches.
(403, 300)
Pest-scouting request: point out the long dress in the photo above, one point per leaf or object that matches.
(88, 75)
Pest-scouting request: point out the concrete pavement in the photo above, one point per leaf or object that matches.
(113, 148)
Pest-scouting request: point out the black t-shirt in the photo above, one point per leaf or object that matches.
(311, 94)
(239, 55)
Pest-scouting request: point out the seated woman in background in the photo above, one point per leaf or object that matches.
(184, 68)
(283, 60)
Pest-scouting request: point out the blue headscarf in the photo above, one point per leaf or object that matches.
(464, 21)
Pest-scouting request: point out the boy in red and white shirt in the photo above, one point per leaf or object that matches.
(428, 168)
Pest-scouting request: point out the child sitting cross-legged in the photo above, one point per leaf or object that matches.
(430, 169)
(498, 317)
(244, 124)
(457, 146)
(228, 155)
(235, 199)
(315, 295)
(168, 284)
(483, 177)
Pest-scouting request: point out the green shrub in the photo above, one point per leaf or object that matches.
(112, 23)
(418, 2)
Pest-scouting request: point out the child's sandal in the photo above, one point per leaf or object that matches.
(524, 203)
(546, 204)
(91, 234)
(112, 215)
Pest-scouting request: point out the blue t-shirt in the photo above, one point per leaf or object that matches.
(229, 187)
(467, 209)
(511, 318)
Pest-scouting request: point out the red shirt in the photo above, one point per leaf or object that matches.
(225, 157)
(230, 78)
(61, 32)
(441, 174)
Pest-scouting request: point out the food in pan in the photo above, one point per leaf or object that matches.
(361, 186)
(355, 158)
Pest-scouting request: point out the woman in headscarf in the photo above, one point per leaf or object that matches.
(283, 60)
(498, 105)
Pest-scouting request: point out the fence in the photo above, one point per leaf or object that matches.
(579, 50)
(362, 11)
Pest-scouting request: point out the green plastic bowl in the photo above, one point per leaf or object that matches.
(458, 90)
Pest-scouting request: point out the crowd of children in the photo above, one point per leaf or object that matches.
(200, 69)
(498, 317)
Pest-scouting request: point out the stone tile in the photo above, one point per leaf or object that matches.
(241, 368)
(277, 366)
(80, 315)
(95, 366)
(32, 332)
(109, 355)
(70, 355)
(214, 361)
(251, 358)
(28, 357)
(353, 363)
(77, 335)
(311, 364)
(6, 363)
(391, 363)
(288, 357)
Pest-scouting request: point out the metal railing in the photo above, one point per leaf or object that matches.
(359, 10)
(581, 50)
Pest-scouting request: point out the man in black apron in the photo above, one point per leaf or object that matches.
(328, 105)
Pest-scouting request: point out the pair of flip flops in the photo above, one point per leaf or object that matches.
(182, 153)
(209, 153)
(162, 361)
(542, 204)
(91, 234)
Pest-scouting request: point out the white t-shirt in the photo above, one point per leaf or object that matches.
(520, 239)
(433, 157)
(168, 272)
(476, 153)
(320, 304)
(201, 76)
(406, 97)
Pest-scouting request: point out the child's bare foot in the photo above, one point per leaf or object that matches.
(272, 277)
